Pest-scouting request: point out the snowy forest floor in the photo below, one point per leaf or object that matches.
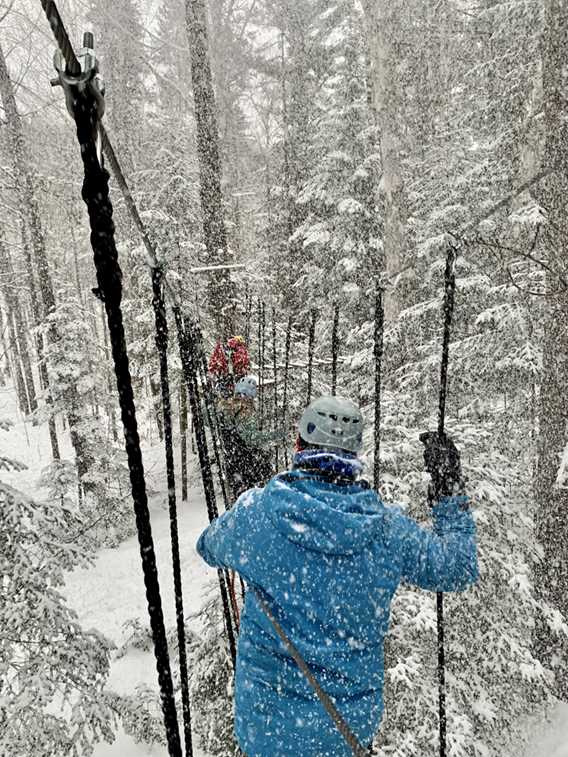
(111, 592)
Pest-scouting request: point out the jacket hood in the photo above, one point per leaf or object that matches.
(322, 516)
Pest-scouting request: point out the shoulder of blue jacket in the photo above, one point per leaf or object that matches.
(249, 498)
(396, 520)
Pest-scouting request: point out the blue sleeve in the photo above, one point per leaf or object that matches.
(444, 559)
(226, 542)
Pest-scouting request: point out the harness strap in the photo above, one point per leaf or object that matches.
(350, 738)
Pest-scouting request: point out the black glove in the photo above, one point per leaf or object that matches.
(442, 461)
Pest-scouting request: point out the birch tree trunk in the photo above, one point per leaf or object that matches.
(552, 500)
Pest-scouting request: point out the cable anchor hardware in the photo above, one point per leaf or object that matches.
(88, 81)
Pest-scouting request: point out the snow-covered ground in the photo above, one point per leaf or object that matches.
(112, 591)
(550, 739)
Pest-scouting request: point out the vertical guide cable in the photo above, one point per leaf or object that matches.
(334, 349)
(262, 361)
(275, 376)
(214, 427)
(449, 297)
(189, 366)
(162, 347)
(211, 413)
(378, 354)
(285, 382)
(311, 343)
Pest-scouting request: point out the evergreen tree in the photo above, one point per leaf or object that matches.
(211, 683)
(121, 49)
(101, 469)
(52, 672)
(552, 499)
(301, 62)
(340, 236)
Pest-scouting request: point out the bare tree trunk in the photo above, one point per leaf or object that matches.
(28, 204)
(4, 356)
(36, 310)
(110, 388)
(18, 326)
(25, 183)
(381, 21)
(75, 259)
(552, 509)
(20, 384)
(156, 394)
(220, 288)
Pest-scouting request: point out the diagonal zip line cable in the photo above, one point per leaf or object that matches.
(64, 44)
(152, 258)
(61, 37)
(109, 278)
(96, 196)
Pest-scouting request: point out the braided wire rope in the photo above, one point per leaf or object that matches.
(109, 277)
(161, 327)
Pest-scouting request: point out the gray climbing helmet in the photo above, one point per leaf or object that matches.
(333, 422)
(247, 387)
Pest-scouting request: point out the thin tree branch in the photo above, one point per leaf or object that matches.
(526, 255)
(7, 11)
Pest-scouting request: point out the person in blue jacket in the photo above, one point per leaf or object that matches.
(327, 557)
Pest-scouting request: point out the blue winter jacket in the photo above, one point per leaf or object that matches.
(328, 558)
